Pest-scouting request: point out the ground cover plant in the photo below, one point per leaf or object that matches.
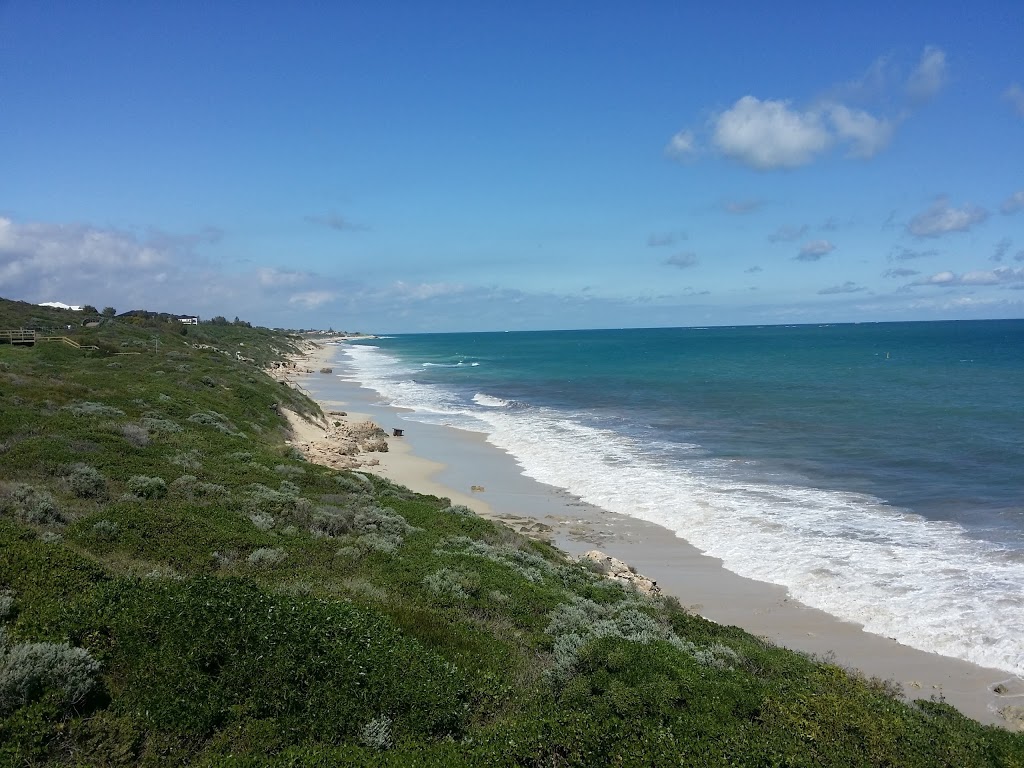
(178, 588)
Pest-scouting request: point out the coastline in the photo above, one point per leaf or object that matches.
(463, 466)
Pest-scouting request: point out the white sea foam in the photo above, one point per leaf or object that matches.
(926, 583)
(490, 402)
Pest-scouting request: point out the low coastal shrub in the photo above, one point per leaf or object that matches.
(450, 583)
(191, 488)
(214, 419)
(85, 482)
(30, 671)
(145, 487)
(105, 530)
(376, 734)
(30, 504)
(190, 460)
(136, 434)
(89, 408)
(262, 520)
(459, 509)
(232, 655)
(265, 557)
(154, 424)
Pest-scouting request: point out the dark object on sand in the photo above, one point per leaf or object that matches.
(397, 432)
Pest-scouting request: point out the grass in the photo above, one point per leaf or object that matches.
(176, 588)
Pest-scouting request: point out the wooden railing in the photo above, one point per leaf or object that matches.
(23, 336)
(18, 336)
(69, 341)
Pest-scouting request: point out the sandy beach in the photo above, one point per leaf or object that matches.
(464, 467)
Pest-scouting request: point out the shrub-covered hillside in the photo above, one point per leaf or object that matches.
(178, 588)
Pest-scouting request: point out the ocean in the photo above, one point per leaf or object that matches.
(876, 470)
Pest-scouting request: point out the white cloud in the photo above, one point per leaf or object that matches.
(768, 134)
(868, 135)
(682, 260)
(269, 277)
(815, 250)
(1015, 95)
(941, 219)
(998, 276)
(682, 146)
(423, 291)
(929, 76)
(848, 287)
(1013, 204)
(311, 299)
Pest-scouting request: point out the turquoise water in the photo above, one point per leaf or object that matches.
(876, 470)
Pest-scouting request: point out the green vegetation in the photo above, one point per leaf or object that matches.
(178, 588)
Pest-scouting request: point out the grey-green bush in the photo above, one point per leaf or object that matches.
(86, 482)
(376, 734)
(136, 434)
(28, 671)
(266, 556)
(88, 408)
(30, 504)
(147, 487)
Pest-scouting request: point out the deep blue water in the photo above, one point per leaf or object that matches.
(874, 469)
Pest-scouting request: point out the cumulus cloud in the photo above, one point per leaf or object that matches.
(770, 134)
(867, 135)
(998, 276)
(334, 221)
(84, 264)
(787, 234)
(79, 263)
(941, 219)
(1002, 248)
(753, 270)
(682, 260)
(1015, 95)
(815, 250)
(1013, 204)
(929, 76)
(682, 146)
(741, 207)
(900, 272)
(848, 287)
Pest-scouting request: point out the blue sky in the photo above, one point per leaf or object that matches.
(466, 166)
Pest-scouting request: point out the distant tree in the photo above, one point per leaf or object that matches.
(219, 320)
(90, 309)
(109, 311)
